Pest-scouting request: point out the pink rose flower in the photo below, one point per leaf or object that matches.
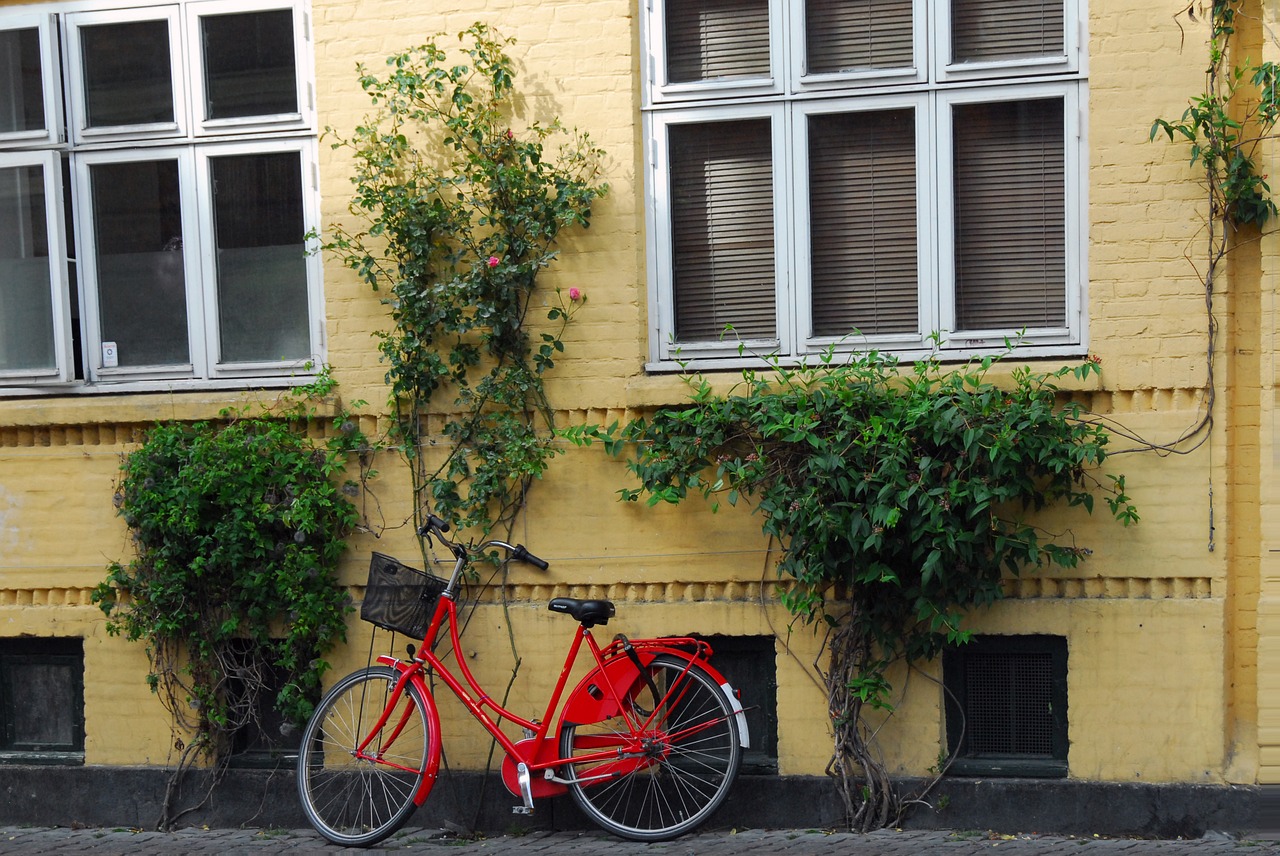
(575, 294)
(493, 261)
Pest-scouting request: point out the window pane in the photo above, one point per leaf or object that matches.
(26, 302)
(21, 82)
(249, 64)
(711, 39)
(137, 226)
(862, 197)
(986, 30)
(262, 264)
(852, 35)
(1010, 215)
(722, 230)
(126, 73)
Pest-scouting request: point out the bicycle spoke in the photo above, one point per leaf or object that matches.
(360, 800)
(692, 756)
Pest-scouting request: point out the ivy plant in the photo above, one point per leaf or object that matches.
(1223, 131)
(237, 527)
(901, 497)
(460, 208)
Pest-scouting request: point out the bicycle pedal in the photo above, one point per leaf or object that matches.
(521, 809)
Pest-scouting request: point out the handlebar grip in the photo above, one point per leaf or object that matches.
(523, 555)
(433, 524)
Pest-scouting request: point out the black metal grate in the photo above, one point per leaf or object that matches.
(1007, 705)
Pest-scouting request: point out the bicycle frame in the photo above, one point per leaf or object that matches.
(533, 761)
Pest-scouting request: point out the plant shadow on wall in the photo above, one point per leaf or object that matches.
(460, 212)
(901, 497)
(237, 526)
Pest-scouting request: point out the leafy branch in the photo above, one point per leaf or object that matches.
(902, 498)
(462, 212)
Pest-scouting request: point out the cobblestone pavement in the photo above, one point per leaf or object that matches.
(791, 842)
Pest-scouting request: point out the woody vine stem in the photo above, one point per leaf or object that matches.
(1224, 127)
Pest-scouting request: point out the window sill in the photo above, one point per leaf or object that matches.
(1008, 767)
(666, 384)
(62, 759)
(107, 404)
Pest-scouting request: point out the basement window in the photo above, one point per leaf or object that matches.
(42, 701)
(749, 664)
(266, 739)
(1006, 706)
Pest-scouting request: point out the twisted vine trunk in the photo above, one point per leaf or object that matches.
(870, 801)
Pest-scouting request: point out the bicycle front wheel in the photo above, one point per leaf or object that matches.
(359, 797)
(666, 778)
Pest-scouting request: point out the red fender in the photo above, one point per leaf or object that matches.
(592, 700)
(432, 769)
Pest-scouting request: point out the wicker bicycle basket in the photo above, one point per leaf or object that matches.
(400, 598)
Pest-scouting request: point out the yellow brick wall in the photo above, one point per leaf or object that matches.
(1175, 667)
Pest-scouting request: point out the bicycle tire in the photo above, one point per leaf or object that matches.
(695, 757)
(356, 802)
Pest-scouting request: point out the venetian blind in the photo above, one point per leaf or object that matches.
(862, 191)
(713, 39)
(1010, 215)
(722, 230)
(986, 30)
(852, 35)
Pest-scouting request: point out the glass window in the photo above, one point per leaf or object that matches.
(863, 211)
(29, 104)
(127, 78)
(22, 98)
(138, 255)
(249, 64)
(717, 39)
(186, 182)
(260, 231)
(927, 191)
(26, 299)
(1010, 241)
(32, 279)
(722, 230)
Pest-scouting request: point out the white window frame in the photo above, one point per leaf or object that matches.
(802, 80)
(659, 234)
(190, 140)
(207, 266)
(81, 133)
(62, 370)
(1071, 61)
(87, 246)
(199, 261)
(50, 81)
(927, 317)
(795, 96)
(660, 90)
(303, 117)
(1075, 200)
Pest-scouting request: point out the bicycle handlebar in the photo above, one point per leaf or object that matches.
(437, 527)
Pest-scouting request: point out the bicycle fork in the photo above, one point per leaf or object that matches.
(409, 674)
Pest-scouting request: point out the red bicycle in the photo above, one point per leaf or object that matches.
(648, 743)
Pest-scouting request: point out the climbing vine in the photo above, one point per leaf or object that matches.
(461, 209)
(237, 527)
(901, 497)
(1224, 130)
(1223, 127)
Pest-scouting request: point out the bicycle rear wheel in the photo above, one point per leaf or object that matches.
(360, 801)
(691, 757)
